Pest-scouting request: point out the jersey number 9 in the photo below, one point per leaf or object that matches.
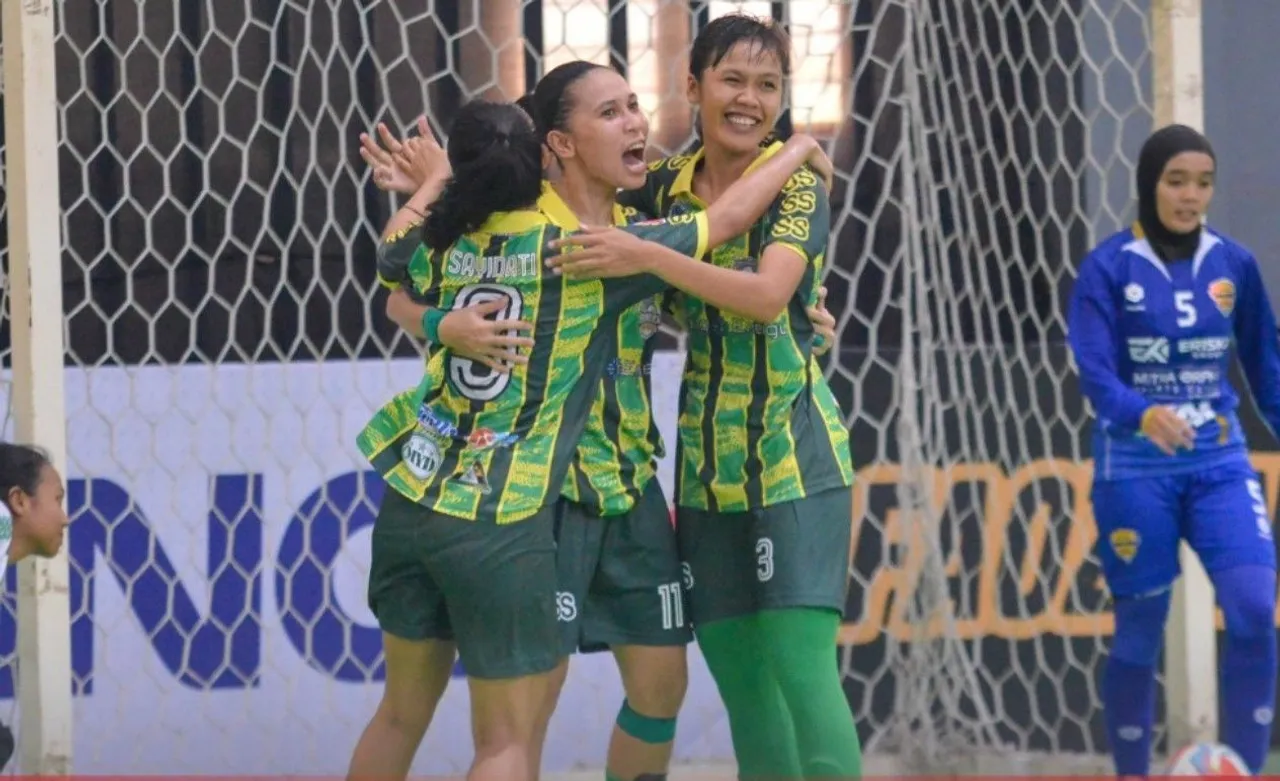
(473, 379)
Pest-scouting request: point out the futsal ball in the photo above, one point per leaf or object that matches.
(1207, 759)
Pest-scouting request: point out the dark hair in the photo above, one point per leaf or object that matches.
(20, 467)
(719, 36)
(496, 159)
(525, 104)
(551, 101)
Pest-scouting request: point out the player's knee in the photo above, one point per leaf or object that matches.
(655, 680)
(405, 715)
(1139, 629)
(1248, 600)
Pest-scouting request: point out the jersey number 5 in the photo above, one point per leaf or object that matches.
(473, 379)
(1184, 301)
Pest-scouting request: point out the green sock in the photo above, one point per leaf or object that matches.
(801, 648)
(763, 740)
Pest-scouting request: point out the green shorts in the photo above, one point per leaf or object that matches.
(620, 576)
(794, 554)
(490, 588)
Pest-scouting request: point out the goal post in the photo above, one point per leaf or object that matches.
(37, 404)
(1191, 648)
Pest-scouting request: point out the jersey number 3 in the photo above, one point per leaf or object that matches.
(1184, 302)
(473, 379)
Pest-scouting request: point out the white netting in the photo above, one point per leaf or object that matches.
(226, 341)
(1000, 147)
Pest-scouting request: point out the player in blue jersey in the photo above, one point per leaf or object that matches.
(1152, 319)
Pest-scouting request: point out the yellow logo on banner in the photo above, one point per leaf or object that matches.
(1072, 604)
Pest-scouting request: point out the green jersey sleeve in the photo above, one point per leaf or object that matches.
(425, 273)
(684, 233)
(396, 254)
(800, 217)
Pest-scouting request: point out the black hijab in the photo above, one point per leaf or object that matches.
(1164, 145)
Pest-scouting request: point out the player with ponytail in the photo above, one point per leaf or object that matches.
(444, 478)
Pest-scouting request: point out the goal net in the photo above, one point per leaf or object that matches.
(225, 342)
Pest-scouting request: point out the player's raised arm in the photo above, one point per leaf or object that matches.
(798, 228)
(1258, 344)
(750, 197)
(425, 159)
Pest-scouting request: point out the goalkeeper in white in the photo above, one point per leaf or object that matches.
(33, 494)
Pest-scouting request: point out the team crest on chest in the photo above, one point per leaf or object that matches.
(1223, 293)
(650, 317)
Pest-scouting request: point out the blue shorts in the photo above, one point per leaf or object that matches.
(1221, 512)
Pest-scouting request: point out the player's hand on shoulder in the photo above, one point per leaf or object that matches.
(817, 157)
(1169, 432)
(598, 253)
(470, 333)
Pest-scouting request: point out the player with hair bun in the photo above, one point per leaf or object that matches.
(1152, 319)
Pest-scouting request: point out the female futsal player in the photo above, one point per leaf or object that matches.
(412, 449)
(1154, 313)
(764, 473)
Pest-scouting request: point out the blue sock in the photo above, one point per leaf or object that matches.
(1129, 683)
(1248, 599)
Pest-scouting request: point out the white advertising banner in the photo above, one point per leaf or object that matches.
(220, 546)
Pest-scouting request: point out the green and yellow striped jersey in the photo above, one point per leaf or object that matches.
(478, 444)
(758, 422)
(615, 457)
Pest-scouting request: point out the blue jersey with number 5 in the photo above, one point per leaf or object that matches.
(1147, 332)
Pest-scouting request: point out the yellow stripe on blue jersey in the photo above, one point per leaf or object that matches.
(615, 457)
(482, 445)
(759, 424)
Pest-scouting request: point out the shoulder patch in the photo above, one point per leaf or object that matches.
(400, 234)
